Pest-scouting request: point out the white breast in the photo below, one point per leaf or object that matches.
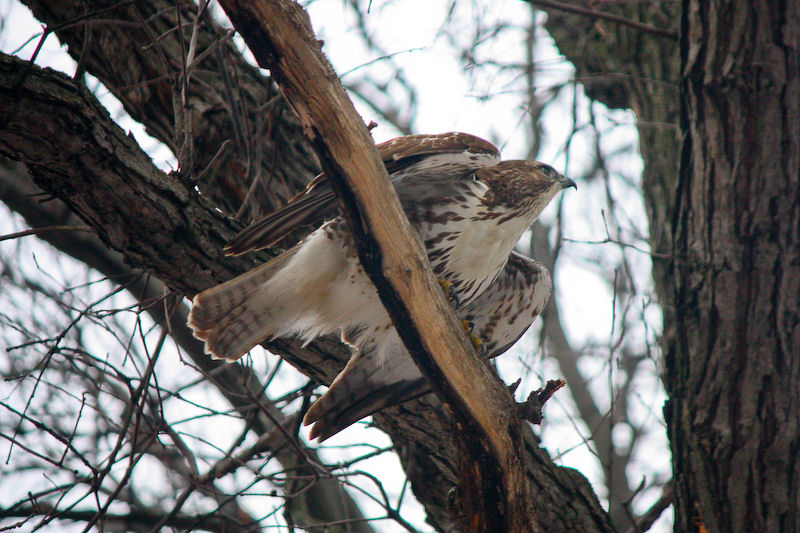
(478, 245)
(483, 246)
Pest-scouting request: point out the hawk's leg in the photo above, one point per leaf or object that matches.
(450, 290)
(469, 326)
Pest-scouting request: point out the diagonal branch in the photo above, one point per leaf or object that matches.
(280, 36)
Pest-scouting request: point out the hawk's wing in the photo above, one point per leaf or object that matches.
(460, 153)
(505, 310)
(501, 315)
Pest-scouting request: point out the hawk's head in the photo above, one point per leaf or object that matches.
(523, 187)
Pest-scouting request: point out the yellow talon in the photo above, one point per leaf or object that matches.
(479, 344)
(468, 326)
(450, 290)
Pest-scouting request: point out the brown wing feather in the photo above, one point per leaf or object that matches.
(318, 202)
(366, 385)
(505, 310)
(307, 210)
(425, 144)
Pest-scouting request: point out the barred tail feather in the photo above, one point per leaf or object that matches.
(338, 415)
(371, 381)
(235, 316)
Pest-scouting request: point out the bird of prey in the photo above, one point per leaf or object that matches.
(469, 209)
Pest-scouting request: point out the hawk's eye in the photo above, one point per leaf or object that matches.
(548, 171)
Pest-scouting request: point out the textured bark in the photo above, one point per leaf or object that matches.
(733, 369)
(160, 224)
(138, 54)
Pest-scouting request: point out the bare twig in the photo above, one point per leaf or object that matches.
(646, 521)
(592, 13)
(43, 229)
(531, 409)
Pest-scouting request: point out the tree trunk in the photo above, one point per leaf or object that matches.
(733, 366)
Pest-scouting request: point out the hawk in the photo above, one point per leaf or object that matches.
(468, 207)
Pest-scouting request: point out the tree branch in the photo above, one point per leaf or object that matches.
(133, 519)
(593, 13)
(138, 56)
(280, 36)
(646, 521)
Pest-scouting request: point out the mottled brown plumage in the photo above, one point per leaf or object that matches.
(468, 208)
(402, 156)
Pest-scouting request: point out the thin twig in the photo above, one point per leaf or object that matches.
(42, 229)
(646, 521)
(605, 16)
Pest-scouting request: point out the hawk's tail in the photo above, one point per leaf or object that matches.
(235, 316)
(331, 413)
(369, 383)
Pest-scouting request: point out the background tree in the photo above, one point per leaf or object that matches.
(732, 370)
(724, 232)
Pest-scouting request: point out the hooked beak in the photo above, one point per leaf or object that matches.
(567, 183)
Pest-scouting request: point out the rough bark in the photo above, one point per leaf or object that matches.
(74, 151)
(733, 368)
(138, 53)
